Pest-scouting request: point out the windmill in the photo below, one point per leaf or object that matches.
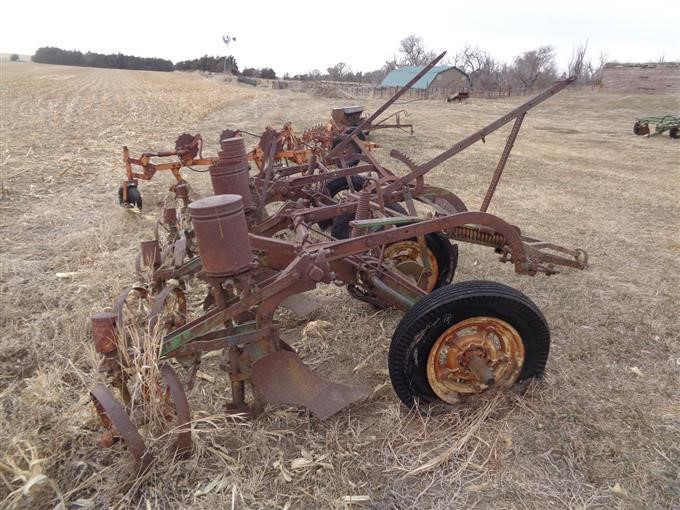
(226, 39)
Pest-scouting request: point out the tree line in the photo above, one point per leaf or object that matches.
(265, 72)
(209, 64)
(212, 64)
(52, 55)
(533, 68)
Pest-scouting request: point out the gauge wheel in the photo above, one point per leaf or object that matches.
(462, 339)
(442, 257)
(640, 129)
(134, 197)
(406, 256)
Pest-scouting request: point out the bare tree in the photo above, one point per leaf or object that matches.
(414, 53)
(578, 66)
(338, 72)
(470, 59)
(391, 65)
(536, 66)
(482, 69)
(598, 73)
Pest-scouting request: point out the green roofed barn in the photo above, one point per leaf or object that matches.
(445, 77)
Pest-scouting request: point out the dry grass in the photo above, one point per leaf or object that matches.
(600, 430)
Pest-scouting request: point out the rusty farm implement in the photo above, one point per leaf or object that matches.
(661, 125)
(290, 149)
(455, 341)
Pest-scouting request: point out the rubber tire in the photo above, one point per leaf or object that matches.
(335, 186)
(636, 128)
(134, 197)
(424, 322)
(445, 252)
(674, 132)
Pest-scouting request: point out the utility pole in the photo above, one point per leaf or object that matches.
(226, 39)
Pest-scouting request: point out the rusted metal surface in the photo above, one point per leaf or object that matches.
(113, 415)
(183, 445)
(103, 326)
(347, 116)
(482, 372)
(222, 234)
(303, 305)
(187, 153)
(229, 174)
(254, 263)
(229, 169)
(502, 161)
(473, 354)
(169, 310)
(170, 216)
(351, 116)
(151, 253)
(283, 378)
(363, 211)
(407, 259)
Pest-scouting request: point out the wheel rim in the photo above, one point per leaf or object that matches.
(169, 310)
(407, 259)
(491, 339)
(132, 307)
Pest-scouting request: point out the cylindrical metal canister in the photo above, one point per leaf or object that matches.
(103, 326)
(151, 253)
(229, 174)
(222, 234)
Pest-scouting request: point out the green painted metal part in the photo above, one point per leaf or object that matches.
(380, 222)
(661, 124)
(183, 339)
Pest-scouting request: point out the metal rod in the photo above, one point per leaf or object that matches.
(473, 138)
(501, 162)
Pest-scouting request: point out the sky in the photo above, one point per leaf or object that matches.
(298, 36)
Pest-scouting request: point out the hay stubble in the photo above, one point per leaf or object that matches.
(599, 431)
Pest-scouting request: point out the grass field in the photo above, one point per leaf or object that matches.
(599, 431)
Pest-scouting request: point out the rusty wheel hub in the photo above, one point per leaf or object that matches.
(408, 259)
(472, 355)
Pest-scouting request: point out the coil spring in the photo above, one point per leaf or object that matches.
(363, 211)
(474, 235)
